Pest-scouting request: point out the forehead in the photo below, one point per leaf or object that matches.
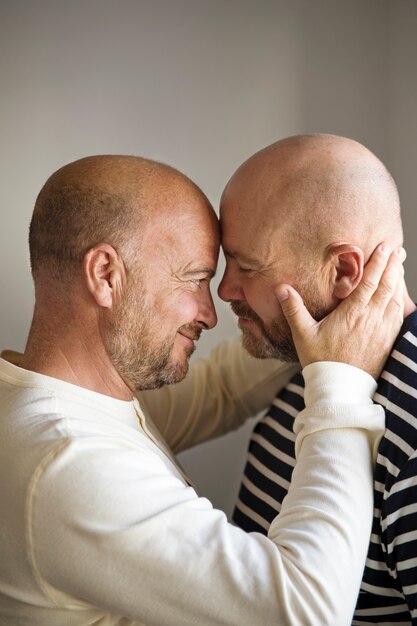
(250, 225)
(183, 231)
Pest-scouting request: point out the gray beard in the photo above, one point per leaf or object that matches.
(276, 341)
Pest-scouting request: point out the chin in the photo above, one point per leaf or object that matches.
(264, 348)
(175, 371)
(256, 347)
(171, 374)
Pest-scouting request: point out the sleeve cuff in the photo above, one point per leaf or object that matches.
(337, 383)
(339, 396)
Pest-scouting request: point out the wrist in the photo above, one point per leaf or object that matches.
(332, 382)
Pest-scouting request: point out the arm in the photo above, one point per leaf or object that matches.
(217, 396)
(147, 548)
(135, 541)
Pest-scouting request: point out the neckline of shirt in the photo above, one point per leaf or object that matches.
(27, 378)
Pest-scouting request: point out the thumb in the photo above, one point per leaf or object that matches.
(296, 314)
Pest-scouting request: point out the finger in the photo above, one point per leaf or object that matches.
(372, 273)
(396, 304)
(391, 283)
(296, 314)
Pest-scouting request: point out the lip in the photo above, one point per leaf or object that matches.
(191, 340)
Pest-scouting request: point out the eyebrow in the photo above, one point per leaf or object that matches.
(201, 270)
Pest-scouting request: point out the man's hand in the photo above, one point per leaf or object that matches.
(362, 328)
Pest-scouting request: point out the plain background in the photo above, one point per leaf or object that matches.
(199, 84)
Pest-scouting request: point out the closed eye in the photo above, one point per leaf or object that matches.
(199, 281)
(244, 270)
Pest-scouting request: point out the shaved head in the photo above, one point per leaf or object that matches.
(105, 198)
(320, 189)
(309, 211)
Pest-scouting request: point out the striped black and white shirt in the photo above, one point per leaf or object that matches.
(388, 592)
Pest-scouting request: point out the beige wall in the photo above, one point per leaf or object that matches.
(200, 84)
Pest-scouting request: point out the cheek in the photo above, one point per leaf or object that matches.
(188, 308)
(260, 297)
(181, 308)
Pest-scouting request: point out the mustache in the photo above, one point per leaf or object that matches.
(243, 310)
(192, 330)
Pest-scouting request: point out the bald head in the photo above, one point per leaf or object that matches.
(318, 189)
(101, 199)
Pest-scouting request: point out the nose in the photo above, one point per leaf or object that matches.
(230, 287)
(207, 312)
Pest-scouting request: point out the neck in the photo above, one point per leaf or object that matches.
(74, 354)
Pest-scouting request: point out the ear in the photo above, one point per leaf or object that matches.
(104, 274)
(347, 260)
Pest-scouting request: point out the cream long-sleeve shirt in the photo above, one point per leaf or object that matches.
(99, 525)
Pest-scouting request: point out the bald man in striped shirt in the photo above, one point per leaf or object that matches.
(308, 211)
